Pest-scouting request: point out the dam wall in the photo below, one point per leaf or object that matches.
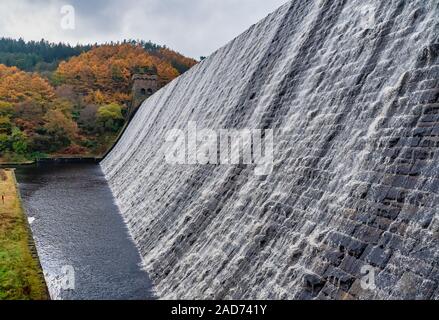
(350, 207)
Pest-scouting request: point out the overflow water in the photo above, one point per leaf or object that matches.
(351, 90)
(78, 231)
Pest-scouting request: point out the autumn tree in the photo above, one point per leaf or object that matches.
(18, 86)
(4, 142)
(58, 123)
(18, 141)
(80, 107)
(6, 112)
(110, 117)
(104, 73)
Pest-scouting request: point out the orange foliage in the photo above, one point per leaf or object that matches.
(74, 149)
(104, 73)
(17, 86)
(67, 118)
(176, 58)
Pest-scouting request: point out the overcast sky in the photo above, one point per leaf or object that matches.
(192, 27)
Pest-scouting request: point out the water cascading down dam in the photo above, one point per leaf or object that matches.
(350, 90)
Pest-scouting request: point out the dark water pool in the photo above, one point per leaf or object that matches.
(80, 234)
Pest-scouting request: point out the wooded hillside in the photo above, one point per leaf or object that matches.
(79, 108)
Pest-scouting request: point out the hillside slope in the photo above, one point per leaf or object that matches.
(79, 108)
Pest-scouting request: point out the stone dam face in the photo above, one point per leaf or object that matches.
(351, 90)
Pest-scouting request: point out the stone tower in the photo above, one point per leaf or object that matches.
(144, 86)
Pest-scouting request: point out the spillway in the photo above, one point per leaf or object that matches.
(350, 208)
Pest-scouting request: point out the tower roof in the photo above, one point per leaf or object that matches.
(144, 76)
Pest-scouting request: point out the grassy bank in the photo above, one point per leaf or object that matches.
(20, 273)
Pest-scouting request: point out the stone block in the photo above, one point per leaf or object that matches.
(377, 256)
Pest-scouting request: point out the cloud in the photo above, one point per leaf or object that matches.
(193, 27)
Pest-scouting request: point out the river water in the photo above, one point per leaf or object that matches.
(82, 241)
